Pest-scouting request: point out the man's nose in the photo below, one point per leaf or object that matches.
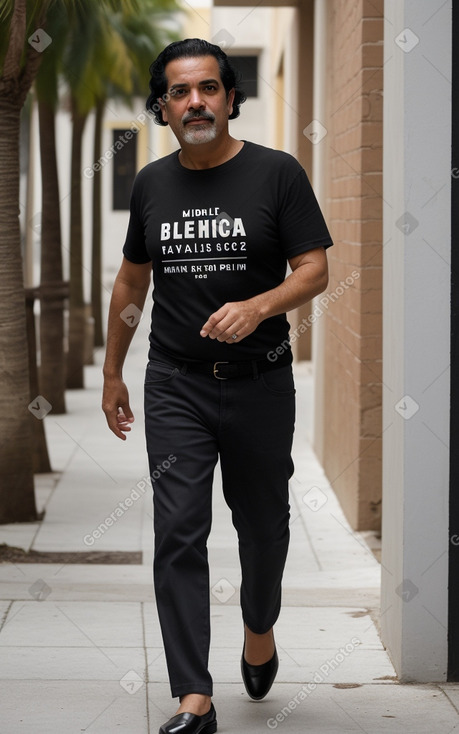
(195, 100)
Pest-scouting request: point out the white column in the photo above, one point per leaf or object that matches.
(416, 335)
(319, 167)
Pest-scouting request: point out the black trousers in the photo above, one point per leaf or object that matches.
(190, 420)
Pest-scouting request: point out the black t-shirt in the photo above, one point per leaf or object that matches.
(216, 235)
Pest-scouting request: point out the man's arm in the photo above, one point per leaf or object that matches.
(308, 278)
(131, 287)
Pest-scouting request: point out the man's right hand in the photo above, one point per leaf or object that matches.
(115, 404)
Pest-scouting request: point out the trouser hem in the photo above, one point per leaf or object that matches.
(191, 688)
(258, 630)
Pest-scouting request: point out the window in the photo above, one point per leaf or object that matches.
(247, 66)
(124, 167)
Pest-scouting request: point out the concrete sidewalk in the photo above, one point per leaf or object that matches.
(80, 643)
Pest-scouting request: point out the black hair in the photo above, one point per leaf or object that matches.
(191, 47)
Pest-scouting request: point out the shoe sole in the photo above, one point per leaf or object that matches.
(206, 729)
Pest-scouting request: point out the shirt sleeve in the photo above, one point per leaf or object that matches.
(134, 248)
(301, 223)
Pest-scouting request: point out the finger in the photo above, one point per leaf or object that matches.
(233, 341)
(213, 329)
(118, 423)
(123, 423)
(222, 330)
(213, 321)
(227, 335)
(238, 334)
(115, 428)
(125, 410)
(123, 418)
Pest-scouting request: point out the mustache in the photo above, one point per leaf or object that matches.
(200, 115)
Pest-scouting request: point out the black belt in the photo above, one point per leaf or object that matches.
(227, 370)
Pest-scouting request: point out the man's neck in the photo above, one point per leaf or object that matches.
(209, 155)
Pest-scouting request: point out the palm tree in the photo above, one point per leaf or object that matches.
(19, 63)
(96, 232)
(89, 45)
(107, 54)
(143, 35)
(52, 288)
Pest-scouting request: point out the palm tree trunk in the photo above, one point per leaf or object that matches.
(77, 316)
(40, 456)
(52, 368)
(96, 269)
(17, 498)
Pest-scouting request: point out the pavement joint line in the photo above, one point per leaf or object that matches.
(145, 655)
(10, 619)
(5, 615)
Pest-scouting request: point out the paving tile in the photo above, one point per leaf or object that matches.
(54, 707)
(70, 663)
(75, 520)
(79, 624)
(77, 582)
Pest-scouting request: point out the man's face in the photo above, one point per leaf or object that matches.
(197, 107)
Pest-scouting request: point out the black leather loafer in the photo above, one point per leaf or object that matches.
(191, 723)
(258, 679)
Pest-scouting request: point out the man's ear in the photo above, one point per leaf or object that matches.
(162, 104)
(230, 100)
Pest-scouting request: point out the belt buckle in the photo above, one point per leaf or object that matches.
(215, 370)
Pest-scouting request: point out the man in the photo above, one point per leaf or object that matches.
(217, 221)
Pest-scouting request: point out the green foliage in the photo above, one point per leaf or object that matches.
(39, 12)
(101, 51)
(144, 35)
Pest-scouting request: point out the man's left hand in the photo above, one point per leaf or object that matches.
(240, 318)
